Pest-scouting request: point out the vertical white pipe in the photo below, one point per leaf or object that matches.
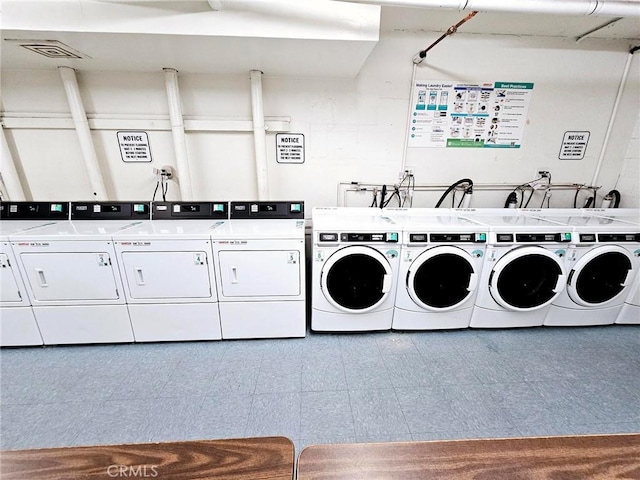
(79, 116)
(177, 130)
(259, 135)
(612, 118)
(10, 177)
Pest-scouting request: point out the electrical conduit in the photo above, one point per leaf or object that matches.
(177, 130)
(259, 135)
(81, 123)
(10, 177)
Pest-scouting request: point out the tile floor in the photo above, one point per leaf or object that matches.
(384, 386)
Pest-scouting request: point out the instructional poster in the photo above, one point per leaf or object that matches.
(482, 115)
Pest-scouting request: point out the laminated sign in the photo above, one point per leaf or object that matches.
(475, 115)
(290, 148)
(134, 146)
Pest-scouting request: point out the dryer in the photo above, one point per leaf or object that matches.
(259, 258)
(441, 258)
(168, 272)
(354, 269)
(72, 276)
(524, 269)
(18, 325)
(601, 263)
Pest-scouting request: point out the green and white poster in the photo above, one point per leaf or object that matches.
(466, 115)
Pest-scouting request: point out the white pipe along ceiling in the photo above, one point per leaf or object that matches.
(614, 8)
(259, 135)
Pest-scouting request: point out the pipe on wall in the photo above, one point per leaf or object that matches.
(10, 177)
(81, 124)
(612, 118)
(177, 130)
(259, 135)
(614, 8)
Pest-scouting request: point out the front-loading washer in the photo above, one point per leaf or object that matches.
(72, 276)
(168, 273)
(601, 263)
(441, 258)
(18, 325)
(260, 270)
(524, 269)
(354, 269)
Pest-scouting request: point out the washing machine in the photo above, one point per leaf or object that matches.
(441, 258)
(72, 276)
(524, 268)
(168, 273)
(259, 257)
(601, 262)
(630, 311)
(355, 264)
(18, 325)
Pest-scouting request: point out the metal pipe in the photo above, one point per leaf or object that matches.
(259, 136)
(612, 8)
(10, 177)
(177, 130)
(612, 118)
(450, 31)
(81, 123)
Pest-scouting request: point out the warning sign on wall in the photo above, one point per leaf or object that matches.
(290, 148)
(134, 146)
(574, 145)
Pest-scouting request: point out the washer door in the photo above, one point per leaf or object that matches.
(442, 278)
(527, 278)
(356, 279)
(600, 275)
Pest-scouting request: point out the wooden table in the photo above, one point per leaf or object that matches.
(268, 458)
(590, 457)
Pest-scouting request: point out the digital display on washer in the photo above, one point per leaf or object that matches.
(328, 237)
(109, 211)
(543, 237)
(34, 210)
(458, 237)
(505, 237)
(587, 237)
(369, 237)
(619, 237)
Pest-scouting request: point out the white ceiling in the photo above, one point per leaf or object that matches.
(314, 38)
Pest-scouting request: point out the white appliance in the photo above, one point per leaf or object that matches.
(441, 258)
(72, 276)
(523, 271)
(630, 311)
(259, 258)
(18, 325)
(601, 263)
(168, 273)
(354, 269)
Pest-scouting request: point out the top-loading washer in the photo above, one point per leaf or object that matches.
(524, 269)
(441, 257)
(260, 270)
(18, 325)
(72, 276)
(168, 272)
(601, 262)
(354, 269)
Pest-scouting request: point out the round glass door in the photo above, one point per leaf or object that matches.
(356, 279)
(527, 278)
(441, 278)
(600, 276)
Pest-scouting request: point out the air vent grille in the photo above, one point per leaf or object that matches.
(50, 49)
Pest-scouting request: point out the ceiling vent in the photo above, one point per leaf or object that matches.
(50, 49)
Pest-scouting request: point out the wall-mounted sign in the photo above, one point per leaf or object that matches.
(134, 146)
(477, 115)
(574, 145)
(290, 148)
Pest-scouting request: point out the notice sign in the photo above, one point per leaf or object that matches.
(290, 148)
(134, 146)
(574, 145)
(469, 115)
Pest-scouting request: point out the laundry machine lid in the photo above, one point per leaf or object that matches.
(441, 278)
(356, 279)
(71, 230)
(527, 278)
(600, 275)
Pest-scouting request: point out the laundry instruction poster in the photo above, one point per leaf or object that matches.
(478, 115)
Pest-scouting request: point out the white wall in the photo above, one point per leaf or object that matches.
(354, 128)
